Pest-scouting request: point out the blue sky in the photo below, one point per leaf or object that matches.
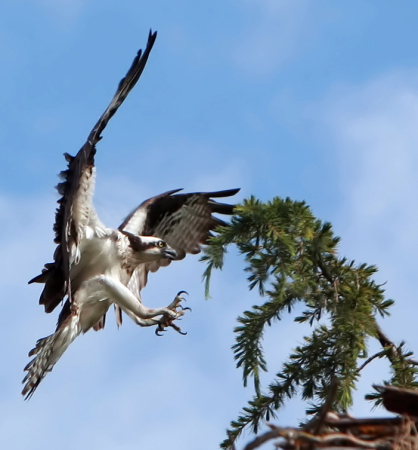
(315, 100)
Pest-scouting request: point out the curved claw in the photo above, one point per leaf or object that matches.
(182, 292)
(178, 329)
(157, 332)
(183, 309)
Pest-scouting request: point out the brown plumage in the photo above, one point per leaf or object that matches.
(184, 221)
(96, 266)
(78, 175)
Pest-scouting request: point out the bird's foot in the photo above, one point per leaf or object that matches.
(167, 320)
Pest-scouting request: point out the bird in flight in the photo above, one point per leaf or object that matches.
(95, 266)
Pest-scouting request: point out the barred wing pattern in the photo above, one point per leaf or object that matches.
(95, 266)
(184, 221)
(75, 209)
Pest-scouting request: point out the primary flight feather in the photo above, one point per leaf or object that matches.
(95, 266)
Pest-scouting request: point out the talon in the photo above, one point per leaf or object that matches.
(178, 329)
(184, 309)
(182, 292)
(177, 300)
(158, 330)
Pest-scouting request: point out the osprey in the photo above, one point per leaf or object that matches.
(96, 266)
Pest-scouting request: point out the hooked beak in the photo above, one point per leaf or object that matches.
(169, 253)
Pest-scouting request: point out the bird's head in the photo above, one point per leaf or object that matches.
(150, 248)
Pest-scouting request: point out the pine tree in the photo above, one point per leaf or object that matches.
(291, 257)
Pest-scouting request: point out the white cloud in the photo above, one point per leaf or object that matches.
(371, 135)
(117, 196)
(374, 130)
(64, 10)
(126, 387)
(272, 37)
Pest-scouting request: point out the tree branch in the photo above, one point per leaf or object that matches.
(260, 440)
(369, 360)
(319, 420)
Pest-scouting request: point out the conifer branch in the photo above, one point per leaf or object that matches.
(326, 407)
(291, 257)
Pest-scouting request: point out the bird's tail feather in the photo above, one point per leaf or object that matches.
(48, 351)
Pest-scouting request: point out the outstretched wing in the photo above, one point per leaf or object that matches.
(184, 221)
(75, 209)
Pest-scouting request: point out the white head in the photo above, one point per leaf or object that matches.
(150, 248)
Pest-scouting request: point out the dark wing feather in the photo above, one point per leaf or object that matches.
(184, 221)
(76, 188)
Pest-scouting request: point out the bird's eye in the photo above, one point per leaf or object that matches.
(160, 244)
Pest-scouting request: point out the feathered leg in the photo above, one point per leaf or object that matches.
(162, 322)
(125, 299)
(48, 351)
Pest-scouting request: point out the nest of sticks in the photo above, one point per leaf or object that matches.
(341, 431)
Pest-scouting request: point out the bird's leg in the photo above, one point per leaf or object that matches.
(165, 320)
(142, 322)
(123, 297)
(162, 323)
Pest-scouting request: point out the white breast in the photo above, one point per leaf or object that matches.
(99, 256)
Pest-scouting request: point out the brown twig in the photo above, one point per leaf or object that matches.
(369, 360)
(390, 433)
(386, 342)
(294, 437)
(260, 440)
(335, 383)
